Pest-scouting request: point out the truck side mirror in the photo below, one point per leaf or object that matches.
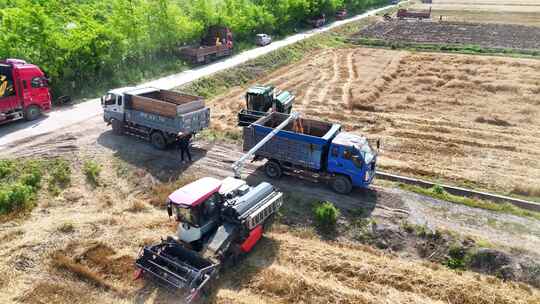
(169, 209)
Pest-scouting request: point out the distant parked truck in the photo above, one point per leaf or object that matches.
(159, 116)
(313, 150)
(407, 14)
(218, 42)
(317, 21)
(24, 91)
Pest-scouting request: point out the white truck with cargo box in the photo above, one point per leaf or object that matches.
(159, 116)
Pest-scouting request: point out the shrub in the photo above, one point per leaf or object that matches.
(326, 214)
(6, 168)
(438, 189)
(92, 171)
(15, 196)
(60, 176)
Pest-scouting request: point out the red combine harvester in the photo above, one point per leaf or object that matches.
(219, 220)
(24, 91)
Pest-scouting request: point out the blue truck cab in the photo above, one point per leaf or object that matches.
(313, 150)
(352, 156)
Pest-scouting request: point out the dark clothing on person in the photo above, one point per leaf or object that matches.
(183, 145)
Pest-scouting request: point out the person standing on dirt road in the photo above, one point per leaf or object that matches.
(183, 145)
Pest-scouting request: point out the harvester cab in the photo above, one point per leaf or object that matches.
(218, 220)
(262, 99)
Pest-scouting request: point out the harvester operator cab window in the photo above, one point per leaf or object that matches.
(187, 215)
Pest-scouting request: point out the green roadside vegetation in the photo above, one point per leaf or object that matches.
(439, 193)
(91, 46)
(20, 181)
(470, 49)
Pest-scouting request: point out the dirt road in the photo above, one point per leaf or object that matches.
(83, 111)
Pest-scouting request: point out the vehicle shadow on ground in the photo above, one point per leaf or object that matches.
(235, 276)
(164, 165)
(302, 196)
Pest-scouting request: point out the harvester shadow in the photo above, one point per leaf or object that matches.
(164, 165)
(234, 276)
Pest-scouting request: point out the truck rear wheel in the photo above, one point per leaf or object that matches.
(158, 140)
(342, 184)
(117, 127)
(32, 113)
(273, 169)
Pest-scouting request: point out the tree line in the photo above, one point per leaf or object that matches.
(79, 42)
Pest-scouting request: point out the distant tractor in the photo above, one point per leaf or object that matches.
(218, 42)
(260, 100)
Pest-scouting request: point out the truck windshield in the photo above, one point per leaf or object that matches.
(366, 152)
(109, 99)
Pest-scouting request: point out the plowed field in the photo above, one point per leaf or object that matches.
(467, 119)
(525, 12)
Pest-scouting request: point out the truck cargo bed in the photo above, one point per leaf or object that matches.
(163, 102)
(301, 143)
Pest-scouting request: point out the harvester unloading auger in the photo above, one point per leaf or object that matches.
(218, 221)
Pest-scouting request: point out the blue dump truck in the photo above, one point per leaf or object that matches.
(314, 150)
(159, 116)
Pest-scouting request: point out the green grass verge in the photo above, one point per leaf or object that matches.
(439, 193)
(470, 49)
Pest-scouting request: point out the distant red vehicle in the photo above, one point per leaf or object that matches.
(24, 91)
(341, 14)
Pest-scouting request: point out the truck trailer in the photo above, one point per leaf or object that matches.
(314, 150)
(159, 116)
(24, 91)
(217, 42)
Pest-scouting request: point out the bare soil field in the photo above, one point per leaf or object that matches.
(505, 36)
(470, 120)
(79, 247)
(526, 12)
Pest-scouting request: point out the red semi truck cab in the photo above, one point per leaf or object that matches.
(24, 91)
